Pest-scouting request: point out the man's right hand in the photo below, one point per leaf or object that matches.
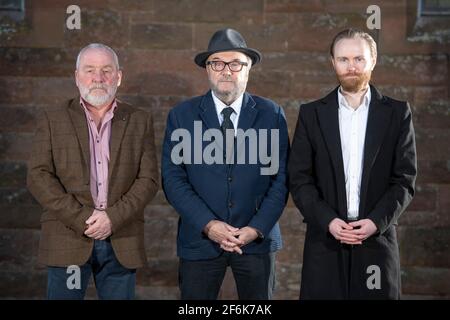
(336, 227)
(222, 233)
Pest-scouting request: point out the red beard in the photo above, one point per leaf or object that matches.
(357, 82)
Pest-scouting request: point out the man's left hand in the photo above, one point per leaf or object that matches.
(363, 228)
(99, 225)
(246, 235)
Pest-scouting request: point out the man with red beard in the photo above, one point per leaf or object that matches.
(352, 172)
(93, 169)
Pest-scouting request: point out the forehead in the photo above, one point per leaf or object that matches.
(97, 57)
(228, 56)
(351, 47)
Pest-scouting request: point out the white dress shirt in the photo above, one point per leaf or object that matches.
(236, 105)
(352, 128)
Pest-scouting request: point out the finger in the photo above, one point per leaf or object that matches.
(229, 249)
(360, 232)
(90, 220)
(342, 224)
(102, 236)
(344, 238)
(237, 233)
(89, 235)
(346, 226)
(349, 239)
(227, 243)
(234, 240)
(96, 235)
(351, 242)
(355, 232)
(89, 231)
(99, 235)
(357, 223)
(348, 235)
(231, 228)
(238, 250)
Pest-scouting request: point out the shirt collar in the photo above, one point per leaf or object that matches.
(364, 105)
(110, 111)
(236, 105)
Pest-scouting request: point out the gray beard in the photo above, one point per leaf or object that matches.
(227, 97)
(98, 100)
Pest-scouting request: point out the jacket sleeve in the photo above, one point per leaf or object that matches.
(143, 188)
(178, 190)
(45, 186)
(275, 198)
(301, 178)
(402, 180)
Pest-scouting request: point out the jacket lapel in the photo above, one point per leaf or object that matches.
(247, 115)
(118, 126)
(208, 112)
(79, 122)
(378, 122)
(328, 115)
(208, 115)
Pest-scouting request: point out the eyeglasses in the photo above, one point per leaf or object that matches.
(234, 66)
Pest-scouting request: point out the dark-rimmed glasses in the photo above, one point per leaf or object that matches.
(234, 66)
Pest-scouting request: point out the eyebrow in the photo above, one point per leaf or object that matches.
(344, 57)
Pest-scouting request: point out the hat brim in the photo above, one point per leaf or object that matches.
(255, 55)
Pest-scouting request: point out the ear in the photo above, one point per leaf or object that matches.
(332, 62)
(374, 62)
(76, 77)
(119, 75)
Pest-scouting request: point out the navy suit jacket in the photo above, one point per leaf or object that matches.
(234, 193)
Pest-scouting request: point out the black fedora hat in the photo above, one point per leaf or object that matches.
(227, 40)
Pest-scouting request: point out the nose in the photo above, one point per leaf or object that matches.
(97, 76)
(227, 70)
(351, 66)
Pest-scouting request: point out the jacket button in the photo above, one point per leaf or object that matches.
(230, 179)
(230, 204)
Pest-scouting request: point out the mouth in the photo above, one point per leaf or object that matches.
(93, 89)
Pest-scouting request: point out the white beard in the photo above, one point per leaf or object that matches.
(98, 100)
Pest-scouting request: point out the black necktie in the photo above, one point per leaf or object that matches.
(227, 123)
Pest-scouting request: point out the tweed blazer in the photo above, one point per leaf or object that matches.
(59, 179)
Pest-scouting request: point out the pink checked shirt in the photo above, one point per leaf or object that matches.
(99, 155)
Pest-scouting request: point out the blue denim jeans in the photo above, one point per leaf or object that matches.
(112, 280)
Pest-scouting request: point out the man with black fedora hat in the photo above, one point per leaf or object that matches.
(229, 205)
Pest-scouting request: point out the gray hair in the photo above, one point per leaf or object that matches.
(98, 46)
